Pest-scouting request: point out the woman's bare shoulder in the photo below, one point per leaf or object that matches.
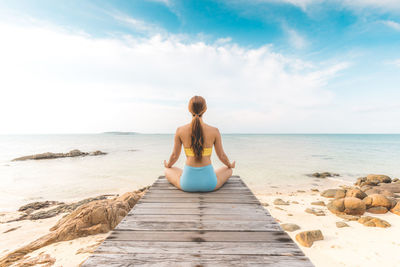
(183, 128)
(211, 129)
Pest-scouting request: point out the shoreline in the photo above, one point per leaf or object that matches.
(336, 249)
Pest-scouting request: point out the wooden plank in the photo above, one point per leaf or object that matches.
(232, 178)
(214, 248)
(197, 200)
(198, 211)
(218, 193)
(199, 195)
(196, 236)
(183, 260)
(195, 226)
(202, 205)
(168, 185)
(195, 217)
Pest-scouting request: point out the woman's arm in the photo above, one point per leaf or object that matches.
(175, 152)
(221, 153)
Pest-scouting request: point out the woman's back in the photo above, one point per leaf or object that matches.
(210, 134)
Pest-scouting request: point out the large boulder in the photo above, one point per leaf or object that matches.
(355, 192)
(307, 238)
(373, 180)
(373, 222)
(377, 210)
(378, 190)
(396, 209)
(392, 187)
(377, 200)
(347, 205)
(379, 177)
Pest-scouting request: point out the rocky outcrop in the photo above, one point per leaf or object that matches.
(396, 209)
(43, 260)
(60, 208)
(38, 205)
(324, 174)
(373, 222)
(377, 210)
(50, 155)
(95, 217)
(307, 238)
(356, 192)
(378, 190)
(377, 200)
(347, 205)
(391, 187)
(373, 179)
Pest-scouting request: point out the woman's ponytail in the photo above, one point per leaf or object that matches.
(197, 106)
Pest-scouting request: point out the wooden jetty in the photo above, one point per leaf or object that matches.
(169, 227)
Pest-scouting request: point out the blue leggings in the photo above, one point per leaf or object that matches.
(198, 179)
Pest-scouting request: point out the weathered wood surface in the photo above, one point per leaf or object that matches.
(169, 227)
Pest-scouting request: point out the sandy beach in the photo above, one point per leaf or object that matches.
(354, 245)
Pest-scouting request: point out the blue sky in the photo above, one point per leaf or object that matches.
(280, 66)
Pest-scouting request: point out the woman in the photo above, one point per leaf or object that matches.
(198, 140)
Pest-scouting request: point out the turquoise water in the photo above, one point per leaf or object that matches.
(137, 160)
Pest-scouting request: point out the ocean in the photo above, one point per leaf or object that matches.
(136, 160)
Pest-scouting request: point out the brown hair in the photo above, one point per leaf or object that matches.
(197, 106)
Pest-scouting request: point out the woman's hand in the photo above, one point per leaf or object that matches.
(165, 164)
(232, 165)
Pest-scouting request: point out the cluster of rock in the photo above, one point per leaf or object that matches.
(324, 174)
(50, 155)
(32, 211)
(368, 196)
(374, 194)
(99, 216)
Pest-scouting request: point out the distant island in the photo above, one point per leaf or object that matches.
(121, 133)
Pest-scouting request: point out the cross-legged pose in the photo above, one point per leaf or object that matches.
(198, 139)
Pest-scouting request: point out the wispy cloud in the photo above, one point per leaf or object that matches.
(387, 5)
(138, 25)
(296, 40)
(165, 2)
(392, 24)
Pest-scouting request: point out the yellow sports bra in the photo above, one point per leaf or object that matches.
(206, 151)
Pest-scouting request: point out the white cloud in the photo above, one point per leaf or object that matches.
(58, 81)
(165, 2)
(392, 24)
(138, 25)
(296, 40)
(390, 5)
